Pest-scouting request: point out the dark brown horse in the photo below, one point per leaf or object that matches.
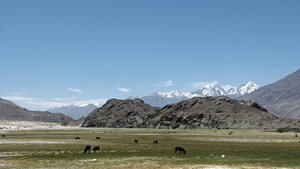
(179, 149)
(96, 148)
(87, 149)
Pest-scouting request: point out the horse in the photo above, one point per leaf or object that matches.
(96, 148)
(179, 149)
(2, 135)
(98, 138)
(87, 149)
(136, 141)
(77, 138)
(155, 142)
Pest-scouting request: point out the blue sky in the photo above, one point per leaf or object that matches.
(57, 52)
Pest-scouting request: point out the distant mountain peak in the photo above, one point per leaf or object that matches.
(215, 84)
(79, 105)
(160, 99)
(75, 110)
(247, 87)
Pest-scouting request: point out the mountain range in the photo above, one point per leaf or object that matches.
(73, 110)
(160, 99)
(281, 98)
(11, 111)
(258, 107)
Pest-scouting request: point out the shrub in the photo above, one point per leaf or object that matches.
(287, 129)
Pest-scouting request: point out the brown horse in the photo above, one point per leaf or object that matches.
(96, 148)
(179, 149)
(87, 149)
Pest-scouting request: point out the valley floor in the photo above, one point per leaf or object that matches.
(50, 145)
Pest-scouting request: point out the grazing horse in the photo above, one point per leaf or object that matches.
(77, 138)
(136, 141)
(179, 149)
(2, 135)
(98, 138)
(87, 149)
(155, 142)
(96, 148)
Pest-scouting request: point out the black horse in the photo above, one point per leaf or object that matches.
(87, 149)
(136, 141)
(96, 148)
(179, 149)
(155, 142)
(77, 138)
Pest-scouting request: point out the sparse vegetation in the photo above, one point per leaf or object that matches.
(287, 129)
(59, 149)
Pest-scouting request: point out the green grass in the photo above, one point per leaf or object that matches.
(288, 129)
(59, 149)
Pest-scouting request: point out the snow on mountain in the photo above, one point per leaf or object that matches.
(160, 99)
(74, 110)
(175, 94)
(232, 92)
(210, 90)
(79, 105)
(247, 87)
(134, 97)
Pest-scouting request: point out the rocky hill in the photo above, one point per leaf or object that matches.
(11, 111)
(199, 112)
(281, 98)
(123, 113)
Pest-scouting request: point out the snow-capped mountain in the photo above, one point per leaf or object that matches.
(232, 92)
(210, 90)
(247, 87)
(80, 105)
(175, 94)
(160, 99)
(75, 111)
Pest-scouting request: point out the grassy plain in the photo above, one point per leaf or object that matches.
(57, 148)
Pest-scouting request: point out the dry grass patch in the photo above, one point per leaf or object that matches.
(59, 149)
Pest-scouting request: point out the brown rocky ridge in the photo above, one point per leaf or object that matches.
(200, 112)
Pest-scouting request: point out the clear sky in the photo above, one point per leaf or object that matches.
(56, 52)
